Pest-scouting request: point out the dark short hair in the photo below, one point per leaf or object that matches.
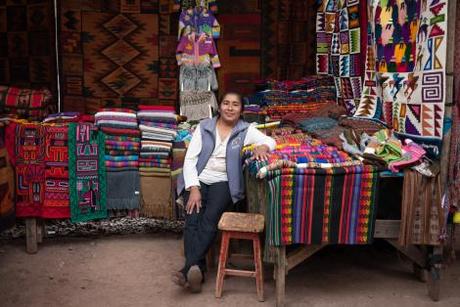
(240, 98)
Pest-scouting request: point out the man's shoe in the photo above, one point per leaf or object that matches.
(194, 279)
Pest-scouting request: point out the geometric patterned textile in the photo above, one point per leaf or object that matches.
(27, 44)
(110, 53)
(30, 169)
(56, 200)
(118, 56)
(405, 80)
(239, 52)
(318, 206)
(87, 177)
(287, 42)
(338, 48)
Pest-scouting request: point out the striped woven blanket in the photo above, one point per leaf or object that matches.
(315, 206)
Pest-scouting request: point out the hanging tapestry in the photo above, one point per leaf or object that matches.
(338, 48)
(6, 190)
(422, 215)
(30, 169)
(56, 199)
(27, 44)
(318, 206)
(405, 81)
(120, 55)
(87, 182)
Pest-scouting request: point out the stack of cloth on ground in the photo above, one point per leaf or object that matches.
(158, 125)
(122, 144)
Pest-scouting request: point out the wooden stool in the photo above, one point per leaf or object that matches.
(241, 226)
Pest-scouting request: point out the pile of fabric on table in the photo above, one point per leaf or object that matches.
(316, 194)
(122, 144)
(158, 125)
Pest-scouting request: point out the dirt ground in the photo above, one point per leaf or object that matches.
(135, 270)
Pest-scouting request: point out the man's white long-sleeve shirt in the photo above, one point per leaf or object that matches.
(215, 169)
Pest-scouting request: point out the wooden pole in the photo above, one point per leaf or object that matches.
(280, 273)
(31, 236)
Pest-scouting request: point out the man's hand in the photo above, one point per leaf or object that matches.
(260, 153)
(194, 200)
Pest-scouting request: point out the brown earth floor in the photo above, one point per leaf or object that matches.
(135, 270)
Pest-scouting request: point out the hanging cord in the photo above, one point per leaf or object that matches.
(56, 49)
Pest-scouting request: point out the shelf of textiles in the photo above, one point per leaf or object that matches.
(274, 99)
(197, 58)
(82, 167)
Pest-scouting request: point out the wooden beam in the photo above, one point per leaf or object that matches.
(412, 252)
(451, 35)
(31, 236)
(241, 273)
(40, 230)
(299, 255)
(387, 229)
(280, 273)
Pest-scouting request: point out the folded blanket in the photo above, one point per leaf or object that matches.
(116, 124)
(163, 131)
(114, 152)
(121, 164)
(121, 143)
(123, 189)
(113, 113)
(120, 131)
(121, 158)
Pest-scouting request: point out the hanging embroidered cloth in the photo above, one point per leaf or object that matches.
(56, 199)
(405, 80)
(30, 169)
(6, 190)
(87, 180)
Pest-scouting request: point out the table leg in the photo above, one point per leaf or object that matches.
(31, 236)
(280, 273)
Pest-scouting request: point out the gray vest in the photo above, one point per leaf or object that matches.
(233, 155)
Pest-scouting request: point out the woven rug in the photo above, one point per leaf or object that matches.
(422, 216)
(6, 191)
(56, 199)
(30, 169)
(123, 189)
(87, 176)
(153, 202)
(338, 53)
(316, 206)
(405, 80)
(121, 55)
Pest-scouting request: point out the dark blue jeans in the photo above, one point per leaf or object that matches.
(201, 228)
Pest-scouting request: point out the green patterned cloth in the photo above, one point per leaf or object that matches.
(87, 177)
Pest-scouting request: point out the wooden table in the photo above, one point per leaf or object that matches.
(426, 260)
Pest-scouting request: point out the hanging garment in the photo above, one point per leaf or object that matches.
(198, 20)
(200, 77)
(187, 4)
(197, 50)
(197, 105)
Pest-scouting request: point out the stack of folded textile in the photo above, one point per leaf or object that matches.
(122, 144)
(158, 126)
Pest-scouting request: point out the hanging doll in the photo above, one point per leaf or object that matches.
(186, 4)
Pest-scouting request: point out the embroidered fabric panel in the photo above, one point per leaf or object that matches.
(87, 177)
(405, 81)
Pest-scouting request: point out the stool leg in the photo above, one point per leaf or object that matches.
(259, 269)
(223, 256)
